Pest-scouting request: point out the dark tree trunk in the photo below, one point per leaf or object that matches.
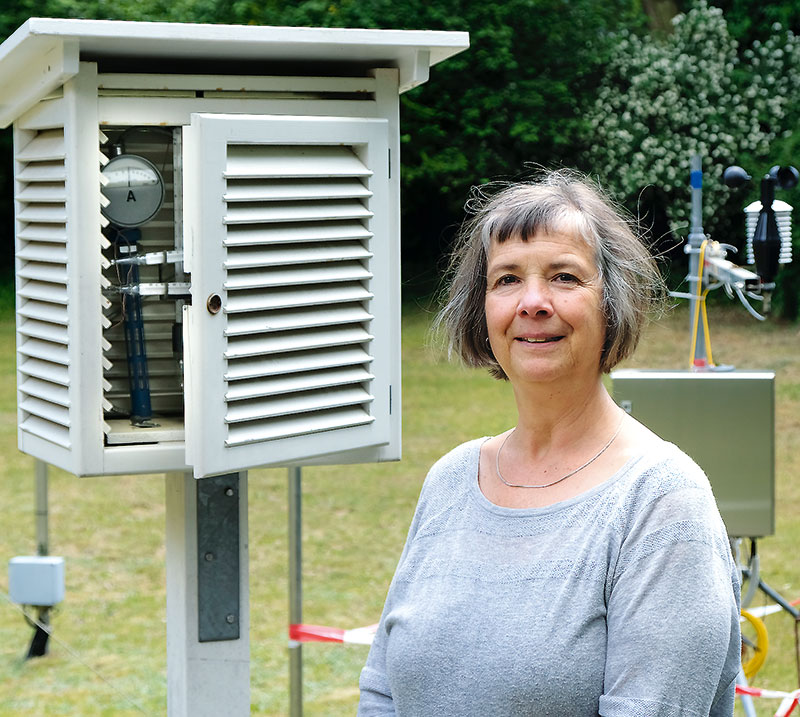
(659, 14)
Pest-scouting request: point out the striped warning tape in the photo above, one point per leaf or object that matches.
(788, 699)
(769, 609)
(322, 633)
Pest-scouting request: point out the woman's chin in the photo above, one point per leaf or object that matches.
(538, 372)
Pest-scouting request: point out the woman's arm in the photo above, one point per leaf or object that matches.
(673, 614)
(376, 695)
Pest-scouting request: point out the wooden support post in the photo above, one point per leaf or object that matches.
(208, 623)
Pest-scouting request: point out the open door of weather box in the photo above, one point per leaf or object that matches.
(207, 242)
(726, 422)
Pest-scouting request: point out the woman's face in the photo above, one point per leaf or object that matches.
(544, 309)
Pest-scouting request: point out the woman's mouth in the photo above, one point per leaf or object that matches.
(539, 340)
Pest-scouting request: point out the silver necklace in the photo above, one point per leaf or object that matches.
(557, 480)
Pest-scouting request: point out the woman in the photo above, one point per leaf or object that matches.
(576, 564)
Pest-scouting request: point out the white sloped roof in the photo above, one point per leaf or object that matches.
(44, 53)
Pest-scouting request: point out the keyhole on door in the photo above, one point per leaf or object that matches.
(214, 303)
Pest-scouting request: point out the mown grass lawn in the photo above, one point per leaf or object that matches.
(111, 532)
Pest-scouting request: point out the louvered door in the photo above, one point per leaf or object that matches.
(44, 356)
(290, 246)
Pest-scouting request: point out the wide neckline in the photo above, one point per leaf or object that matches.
(481, 499)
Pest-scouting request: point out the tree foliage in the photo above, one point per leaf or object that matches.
(544, 82)
(514, 97)
(663, 100)
(750, 20)
(660, 102)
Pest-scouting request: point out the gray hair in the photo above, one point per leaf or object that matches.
(558, 201)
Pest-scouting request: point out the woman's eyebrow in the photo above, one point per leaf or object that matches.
(507, 266)
(556, 265)
(572, 264)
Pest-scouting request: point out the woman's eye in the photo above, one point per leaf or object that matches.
(506, 280)
(564, 278)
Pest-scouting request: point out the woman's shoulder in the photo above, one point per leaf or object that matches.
(446, 485)
(673, 470)
(658, 458)
(667, 487)
(457, 463)
(464, 453)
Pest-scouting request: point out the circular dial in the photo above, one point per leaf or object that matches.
(134, 188)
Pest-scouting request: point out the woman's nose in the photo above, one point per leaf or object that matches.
(535, 299)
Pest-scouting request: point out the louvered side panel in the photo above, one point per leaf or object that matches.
(291, 304)
(43, 252)
(43, 356)
(46, 391)
(51, 192)
(43, 172)
(42, 233)
(46, 370)
(47, 146)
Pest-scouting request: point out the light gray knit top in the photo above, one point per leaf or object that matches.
(620, 601)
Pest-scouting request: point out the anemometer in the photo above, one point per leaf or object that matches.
(769, 243)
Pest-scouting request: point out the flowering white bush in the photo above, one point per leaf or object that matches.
(663, 100)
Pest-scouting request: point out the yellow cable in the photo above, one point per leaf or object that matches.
(753, 664)
(706, 332)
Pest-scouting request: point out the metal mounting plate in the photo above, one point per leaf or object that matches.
(218, 558)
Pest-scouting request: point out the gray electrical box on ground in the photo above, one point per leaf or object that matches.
(726, 422)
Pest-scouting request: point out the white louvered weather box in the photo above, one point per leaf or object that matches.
(207, 241)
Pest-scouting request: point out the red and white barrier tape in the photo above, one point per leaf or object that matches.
(769, 609)
(788, 703)
(321, 633)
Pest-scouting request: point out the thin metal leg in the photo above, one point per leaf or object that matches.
(767, 590)
(746, 700)
(38, 646)
(295, 590)
(42, 533)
